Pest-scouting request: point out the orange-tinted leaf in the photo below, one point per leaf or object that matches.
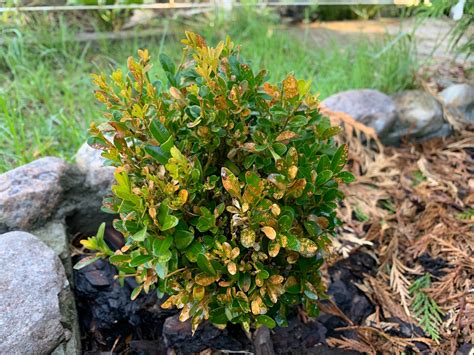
(230, 182)
(290, 87)
(269, 232)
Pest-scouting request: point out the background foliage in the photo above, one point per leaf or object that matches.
(46, 103)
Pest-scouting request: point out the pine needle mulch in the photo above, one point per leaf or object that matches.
(412, 209)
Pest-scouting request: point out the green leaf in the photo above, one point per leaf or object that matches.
(323, 164)
(249, 160)
(206, 221)
(183, 238)
(279, 148)
(162, 269)
(161, 246)
(323, 177)
(119, 258)
(205, 265)
(159, 131)
(218, 316)
(331, 131)
(266, 321)
(285, 222)
(166, 220)
(140, 235)
(293, 242)
(140, 260)
(310, 294)
(158, 154)
(346, 176)
(86, 261)
(195, 111)
(136, 291)
(167, 64)
(100, 234)
(244, 281)
(340, 158)
(194, 250)
(164, 257)
(170, 222)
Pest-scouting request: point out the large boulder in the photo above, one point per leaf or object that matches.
(420, 117)
(32, 285)
(459, 99)
(91, 163)
(370, 107)
(30, 193)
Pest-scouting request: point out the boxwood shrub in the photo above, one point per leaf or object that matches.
(226, 185)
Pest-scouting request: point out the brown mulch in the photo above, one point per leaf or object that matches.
(412, 209)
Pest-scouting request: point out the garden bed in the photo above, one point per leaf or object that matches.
(407, 236)
(406, 216)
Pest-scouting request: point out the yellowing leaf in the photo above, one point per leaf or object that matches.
(184, 315)
(269, 232)
(275, 209)
(308, 248)
(292, 171)
(175, 93)
(144, 55)
(276, 279)
(247, 237)
(170, 302)
(230, 182)
(256, 306)
(198, 292)
(323, 222)
(273, 248)
(204, 279)
(152, 212)
(286, 136)
(290, 87)
(232, 268)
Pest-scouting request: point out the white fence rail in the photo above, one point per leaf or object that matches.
(226, 4)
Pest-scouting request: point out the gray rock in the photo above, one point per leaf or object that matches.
(420, 117)
(30, 193)
(370, 107)
(32, 282)
(54, 235)
(90, 162)
(459, 99)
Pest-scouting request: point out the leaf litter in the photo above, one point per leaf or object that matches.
(411, 209)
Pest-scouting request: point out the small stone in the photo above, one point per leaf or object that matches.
(370, 107)
(30, 193)
(460, 99)
(91, 163)
(53, 234)
(420, 117)
(32, 282)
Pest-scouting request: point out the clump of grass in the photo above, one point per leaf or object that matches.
(46, 99)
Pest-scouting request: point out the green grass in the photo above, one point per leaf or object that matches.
(46, 98)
